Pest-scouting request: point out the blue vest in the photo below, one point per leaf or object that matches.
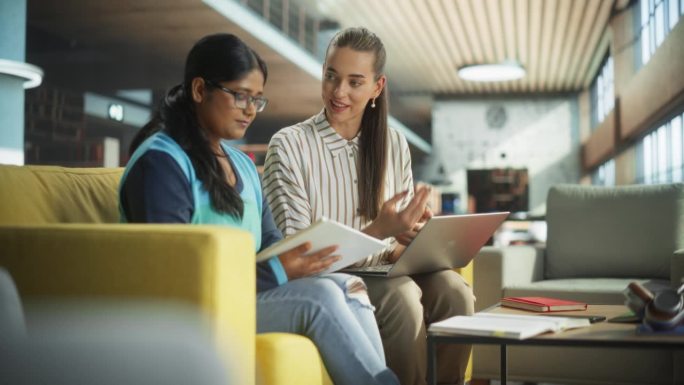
(204, 213)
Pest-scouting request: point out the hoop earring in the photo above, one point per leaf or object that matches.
(373, 103)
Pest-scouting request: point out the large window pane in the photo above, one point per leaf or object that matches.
(645, 45)
(602, 96)
(605, 174)
(662, 154)
(599, 99)
(652, 33)
(610, 95)
(677, 144)
(660, 23)
(673, 13)
(648, 164)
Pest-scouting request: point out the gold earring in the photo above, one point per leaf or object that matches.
(373, 103)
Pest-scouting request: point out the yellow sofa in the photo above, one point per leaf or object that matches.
(59, 237)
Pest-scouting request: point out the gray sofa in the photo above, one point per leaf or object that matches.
(599, 239)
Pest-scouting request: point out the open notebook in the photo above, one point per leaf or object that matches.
(353, 245)
(512, 326)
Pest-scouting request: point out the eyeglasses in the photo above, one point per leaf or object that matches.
(241, 99)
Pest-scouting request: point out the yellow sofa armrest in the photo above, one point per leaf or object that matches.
(211, 267)
(284, 358)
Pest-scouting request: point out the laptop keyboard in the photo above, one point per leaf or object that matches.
(371, 269)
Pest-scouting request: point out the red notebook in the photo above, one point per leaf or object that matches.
(542, 304)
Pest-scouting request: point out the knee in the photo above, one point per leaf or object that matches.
(324, 293)
(456, 291)
(403, 302)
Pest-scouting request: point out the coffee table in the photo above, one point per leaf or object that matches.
(601, 335)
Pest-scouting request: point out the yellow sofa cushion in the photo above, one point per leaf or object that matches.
(49, 194)
(288, 359)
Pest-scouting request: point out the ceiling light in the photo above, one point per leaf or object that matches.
(492, 72)
(32, 75)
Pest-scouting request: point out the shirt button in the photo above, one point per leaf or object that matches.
(351, 155)
(354, 180)
(350, 143)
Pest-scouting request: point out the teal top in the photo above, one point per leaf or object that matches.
(202, 211)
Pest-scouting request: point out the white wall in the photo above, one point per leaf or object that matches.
(541, 135)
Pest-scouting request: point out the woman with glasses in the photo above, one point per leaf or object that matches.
(346, 164)
(180, 171)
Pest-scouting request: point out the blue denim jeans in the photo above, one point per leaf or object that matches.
(338, 320)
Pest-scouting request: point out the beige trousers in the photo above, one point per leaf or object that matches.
(404, 306)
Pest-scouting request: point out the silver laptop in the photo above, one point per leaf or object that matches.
(445, 242)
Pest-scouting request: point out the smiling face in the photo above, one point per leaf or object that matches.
(216, 110)
(349, 83)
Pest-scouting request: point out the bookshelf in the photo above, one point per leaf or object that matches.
(501, 189)
(56, 131)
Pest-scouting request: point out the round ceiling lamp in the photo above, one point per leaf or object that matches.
(492, 72)
(32, 75)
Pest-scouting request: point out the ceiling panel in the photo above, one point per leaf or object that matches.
(428, 40)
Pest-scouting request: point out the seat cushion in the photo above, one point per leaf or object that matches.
(620, 232)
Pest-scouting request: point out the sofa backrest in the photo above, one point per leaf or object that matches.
(50, 194)
(625, 231)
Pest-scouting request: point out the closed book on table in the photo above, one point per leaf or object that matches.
(542, 304)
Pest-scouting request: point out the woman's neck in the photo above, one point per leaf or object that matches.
(347, 129)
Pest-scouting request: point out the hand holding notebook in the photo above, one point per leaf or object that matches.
(353, 245)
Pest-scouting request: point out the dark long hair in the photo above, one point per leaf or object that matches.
(373, 139)
(218, 58)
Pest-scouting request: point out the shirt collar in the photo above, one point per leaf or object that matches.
(331, 138)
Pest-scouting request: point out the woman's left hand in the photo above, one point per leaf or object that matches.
(407, 237)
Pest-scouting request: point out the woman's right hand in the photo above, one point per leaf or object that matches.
(298, 264)
(390, 222)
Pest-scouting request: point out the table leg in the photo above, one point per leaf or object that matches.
(504, 370)
(432, 362)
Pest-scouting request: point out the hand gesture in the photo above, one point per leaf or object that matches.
(391, 223)
(298, 264)
(407, 236)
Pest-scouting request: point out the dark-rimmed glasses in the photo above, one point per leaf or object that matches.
(242, 99)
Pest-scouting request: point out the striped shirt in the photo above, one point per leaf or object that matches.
(312, 172)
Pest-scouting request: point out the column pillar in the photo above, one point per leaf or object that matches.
(15, 75)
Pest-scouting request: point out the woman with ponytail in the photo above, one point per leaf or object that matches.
(180, 171)
(346, 164)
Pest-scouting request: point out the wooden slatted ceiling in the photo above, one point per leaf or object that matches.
(428, 40)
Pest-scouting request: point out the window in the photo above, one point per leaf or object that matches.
(290, 18)
(602, 92)
(677, 129)
(673, 13)
(660, 154)
(656, 19)
(604, 174)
